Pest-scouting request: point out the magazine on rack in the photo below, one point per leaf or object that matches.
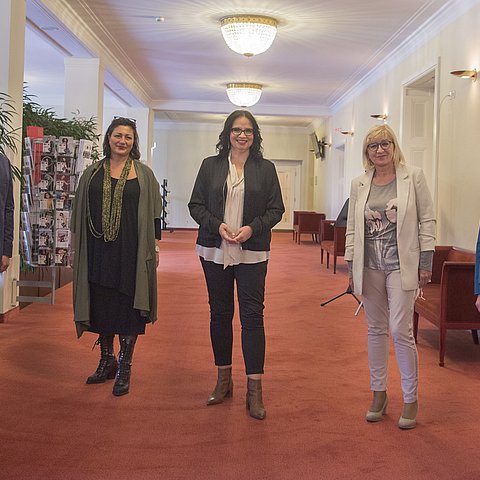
(84, 156)
(63, 238)
(46, 200)
(61, 256)
(62, 183)
(45, 219)
(45, 238)
(66, 146)
(62, 219)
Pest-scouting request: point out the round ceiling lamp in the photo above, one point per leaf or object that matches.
(244, 94)
(249, 34)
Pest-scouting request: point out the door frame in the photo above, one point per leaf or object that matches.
(433, 69)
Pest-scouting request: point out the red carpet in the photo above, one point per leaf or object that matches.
(316, 391)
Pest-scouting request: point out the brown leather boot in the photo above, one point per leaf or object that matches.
(223, 388)
(107, 367)
(254, 399)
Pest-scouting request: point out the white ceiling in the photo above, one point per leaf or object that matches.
(181, 67)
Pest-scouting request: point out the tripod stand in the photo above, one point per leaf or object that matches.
(347, 291)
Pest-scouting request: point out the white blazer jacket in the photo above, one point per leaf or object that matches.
(416, 224)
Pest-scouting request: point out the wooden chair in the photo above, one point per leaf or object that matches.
(309, 223)
(448, 301)
(332, 241)
(296, 215)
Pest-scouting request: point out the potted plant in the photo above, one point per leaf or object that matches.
(8, 134)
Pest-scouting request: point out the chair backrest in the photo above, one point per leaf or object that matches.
(444, 253)
(326, 230)
(310, 221)
(339, 239)
(296, 214)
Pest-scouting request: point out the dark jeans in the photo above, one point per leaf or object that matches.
(250, 279)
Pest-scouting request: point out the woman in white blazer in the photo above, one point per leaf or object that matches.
(390, 241)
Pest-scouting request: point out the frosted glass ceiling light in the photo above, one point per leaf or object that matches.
(249, 34)
(244, 94)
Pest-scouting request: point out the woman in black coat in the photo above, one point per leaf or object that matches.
(236, 201)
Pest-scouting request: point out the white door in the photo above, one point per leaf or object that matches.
(289, 178)
(418, 130)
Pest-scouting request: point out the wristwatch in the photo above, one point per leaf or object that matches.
(157, 248)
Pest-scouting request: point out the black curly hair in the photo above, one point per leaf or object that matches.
(223, 145)
(125, 122)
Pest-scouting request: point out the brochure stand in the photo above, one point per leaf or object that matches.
(51, 168)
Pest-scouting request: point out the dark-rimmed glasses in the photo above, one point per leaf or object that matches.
(238, 131)
(373, 147)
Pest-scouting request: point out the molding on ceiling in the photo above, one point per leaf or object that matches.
(100, 44)
(431, 27)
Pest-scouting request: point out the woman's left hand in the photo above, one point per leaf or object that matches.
(243, 234)
(424, 277)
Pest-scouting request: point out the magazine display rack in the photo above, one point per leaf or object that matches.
(51, 168)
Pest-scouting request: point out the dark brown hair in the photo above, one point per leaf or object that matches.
(124, 122)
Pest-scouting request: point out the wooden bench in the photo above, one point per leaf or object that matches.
(449, 301)
(332, 241)
(307, 222)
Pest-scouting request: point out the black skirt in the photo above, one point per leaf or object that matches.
(112, 312)
(112, 265)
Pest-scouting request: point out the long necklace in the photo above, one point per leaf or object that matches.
(111, 207)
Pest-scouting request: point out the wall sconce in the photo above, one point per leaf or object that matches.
(472, 74)
(346, 132)
(380, 116)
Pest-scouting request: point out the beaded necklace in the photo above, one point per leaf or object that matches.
(111, 208)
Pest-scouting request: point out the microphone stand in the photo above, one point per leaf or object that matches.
(348, 291)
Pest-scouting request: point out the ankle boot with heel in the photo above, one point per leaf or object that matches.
(107, 367)
(224, 387)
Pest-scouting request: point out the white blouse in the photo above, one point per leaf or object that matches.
(232, 253)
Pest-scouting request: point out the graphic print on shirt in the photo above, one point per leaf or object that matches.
(380, 233)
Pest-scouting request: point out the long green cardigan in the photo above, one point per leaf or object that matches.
(149, 208)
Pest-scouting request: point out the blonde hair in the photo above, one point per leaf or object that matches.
(389, 134)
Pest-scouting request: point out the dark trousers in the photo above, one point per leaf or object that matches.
(250, 280)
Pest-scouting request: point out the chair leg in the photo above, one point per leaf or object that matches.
(475, 336)
(321, 256)
(334, 264)
(443, 336)
(328, 260)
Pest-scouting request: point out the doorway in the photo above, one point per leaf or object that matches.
(419, 126)
(288, 172)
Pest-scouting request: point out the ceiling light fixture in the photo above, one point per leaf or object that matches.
(472, 74)
(244, 94)
(249, 34)
(346, 132)
(380, 116)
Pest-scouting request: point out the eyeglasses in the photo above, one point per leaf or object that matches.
(373, 147)
(238, 131)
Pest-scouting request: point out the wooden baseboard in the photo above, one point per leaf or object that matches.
(4, 317)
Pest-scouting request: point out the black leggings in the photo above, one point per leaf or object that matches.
(250, 279)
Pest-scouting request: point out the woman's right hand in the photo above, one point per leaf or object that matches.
(226, 233)
(477, 303)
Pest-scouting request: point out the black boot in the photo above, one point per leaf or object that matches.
(122, 381)
(107, 366)
(254, 399)
(223, 388)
